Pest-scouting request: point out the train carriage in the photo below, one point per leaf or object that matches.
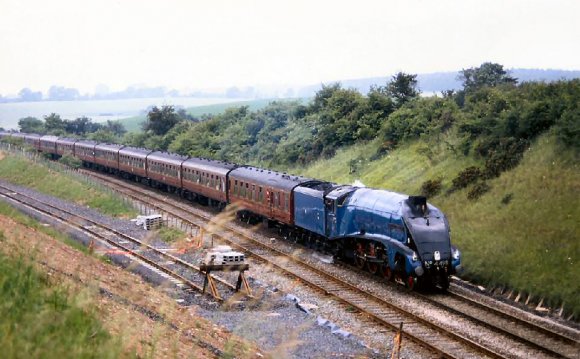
(17, 135)
(133, 161)
(265, 193)
(4, 135)
(65, 146)
(107, 156)
(207, 178)
(85, 151)
(165, 168)
(33, 140)
(48, 144)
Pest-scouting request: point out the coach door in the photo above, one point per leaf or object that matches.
(270, 202)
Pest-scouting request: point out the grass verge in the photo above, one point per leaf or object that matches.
(26, 172)
(41, 320)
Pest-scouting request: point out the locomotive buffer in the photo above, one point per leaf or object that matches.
(223, 259)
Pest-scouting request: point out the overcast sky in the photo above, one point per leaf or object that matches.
(216, 43)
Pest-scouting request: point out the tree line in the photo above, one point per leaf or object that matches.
(53, 124)
(493, 117)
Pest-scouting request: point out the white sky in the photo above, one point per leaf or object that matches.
(215, 43)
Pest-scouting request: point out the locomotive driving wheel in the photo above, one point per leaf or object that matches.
(386, 271)
(359, 255)
(411, 281)
(372, 267)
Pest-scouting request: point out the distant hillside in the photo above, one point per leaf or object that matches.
(440, 81)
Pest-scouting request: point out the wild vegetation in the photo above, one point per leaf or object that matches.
(41, 319)
(26, 172)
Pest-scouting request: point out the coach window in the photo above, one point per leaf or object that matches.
(248, 194)
(253, 192)
(276, 199)
(260, 195)
(236, 187)
(287, 202)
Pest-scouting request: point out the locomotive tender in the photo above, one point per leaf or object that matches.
(401, 237)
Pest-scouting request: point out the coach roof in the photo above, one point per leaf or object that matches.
(85, 143)
(108, 146)
(207, 165)
(137, 152)
(268, 177)
(166, 157)
(66, 140)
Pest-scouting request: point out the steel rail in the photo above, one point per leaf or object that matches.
(538, 328)
(100, 236)
(331, 290)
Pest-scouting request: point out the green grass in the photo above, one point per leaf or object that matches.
(133, 124)
(41, 320)
(402, 170)
(9, 211)
(168, 234)
(25, 172)
(531, 243)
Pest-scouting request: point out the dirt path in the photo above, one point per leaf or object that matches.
(147, 320)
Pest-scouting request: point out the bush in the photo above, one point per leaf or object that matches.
(431, 188)
(466, 177)
(71, 161)
(505, 156)
(507, 199)
(478, 190)
(568, 129)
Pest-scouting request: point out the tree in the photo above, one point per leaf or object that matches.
(60, 93)
(31, 125)
(115, 127)
(323, 95)
(103, 135)
(403, 88)
(488, 74)
(81, 126)
(54, 124)
(160, 121)
(27, 94)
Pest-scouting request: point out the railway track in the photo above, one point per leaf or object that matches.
(563, 343)
(180, 272)
(440, 341)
